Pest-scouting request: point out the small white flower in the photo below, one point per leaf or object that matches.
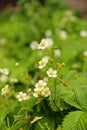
(36, 119)
(46, 92)
(52, 73)
(50, 42)
(83, 33)
(85, 53)
(43, 44)
(37, 92)
(57, 52)
(17, 64)
(14, 80)
(43, 62)
(22, 96)
(63, 34)
(34, 45)
(3, 78)
(5, 71)
(48, 33)
(5, 90)
(40, 84)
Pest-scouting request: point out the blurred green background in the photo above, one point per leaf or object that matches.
(29, 21)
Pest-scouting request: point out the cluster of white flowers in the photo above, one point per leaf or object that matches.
(41, 89)
(5, 90)
(43, 62)
(4, 72)
(22, 96)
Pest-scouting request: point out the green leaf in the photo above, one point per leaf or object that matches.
(57, 97)
(17, 125)
(78, 98)
(30, 103)
(76, 120)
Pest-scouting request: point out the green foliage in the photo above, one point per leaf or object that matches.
(65, 108)
(76, 120)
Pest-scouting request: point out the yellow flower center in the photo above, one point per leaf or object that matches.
(42, 62)
(36, 118)
(40, 85)
(51, 73)
(38, 92)
(4, 89)
(43, 44)
(45, 91)
(21, 96)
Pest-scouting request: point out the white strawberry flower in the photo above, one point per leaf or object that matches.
(43, 44)
(4, 78)
(5, 90)
(40, 84)
(37, 92)
(36, 119)
(48, 33)
(14, 80)
(46, 92)
(83, 33)
(43, 62)
(52, 73)
(4, 71)
(22, 96)
(34, 45)
(50, 42)
(63, 34)
(57, 52)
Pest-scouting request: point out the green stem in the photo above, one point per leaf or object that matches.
(40, 125)
(44, 108)
(55, 88)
